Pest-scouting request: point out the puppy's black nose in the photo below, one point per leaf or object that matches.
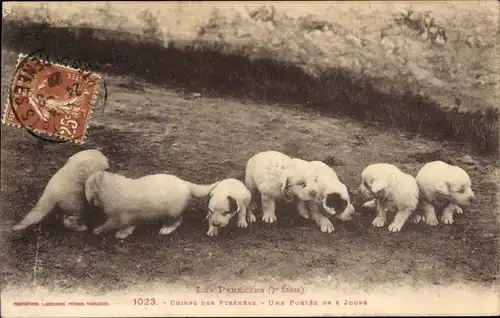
(313, 193)
(215, 223)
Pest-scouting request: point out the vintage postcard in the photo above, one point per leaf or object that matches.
(230, 159)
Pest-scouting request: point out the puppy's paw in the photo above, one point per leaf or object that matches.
(370, 204)
(212, 231)
(345, 217)
(458, 210)
(326, 226)
(378, 222)
(71, 223)
(122, 234)
(97, 231)
(447, 218)
(395, 227)
(166, 230)
(242, 224)
(415, 219)
(432, 221)
(251, 218)
(269, 218)
(304, 215)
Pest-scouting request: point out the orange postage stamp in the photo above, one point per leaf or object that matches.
(51, 99)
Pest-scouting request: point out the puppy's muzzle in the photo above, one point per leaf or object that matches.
(313, 193)
(471, 199)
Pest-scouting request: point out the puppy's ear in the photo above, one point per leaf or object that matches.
(378, 185)
(443, 188)
(233, 205)
(336, 202)
(285, 187)
(284, 181)
(92, 185)
(210, 195)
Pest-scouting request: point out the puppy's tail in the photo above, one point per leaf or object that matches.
(92, 187)
(43, 207)
(201, 190)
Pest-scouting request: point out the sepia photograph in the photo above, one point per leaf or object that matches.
(250, 158)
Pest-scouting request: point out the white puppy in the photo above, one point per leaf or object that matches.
(443, 186)
(333, 196)
(394, 191)
(66, 190)
(125, 200)
(275, 175)
(228, 198)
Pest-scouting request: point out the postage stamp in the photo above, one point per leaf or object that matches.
(51, 99)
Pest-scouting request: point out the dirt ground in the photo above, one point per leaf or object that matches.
(146, 129)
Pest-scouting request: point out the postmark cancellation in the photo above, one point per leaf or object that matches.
(51, 99)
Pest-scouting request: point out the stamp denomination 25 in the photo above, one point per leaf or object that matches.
(51, 99)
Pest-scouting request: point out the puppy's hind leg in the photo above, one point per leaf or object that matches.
(381, 217)
(399, 220)
(110, 224)
(72, 222)
(167, 229)
(324, 223)
(268, 207)
(124, 233)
